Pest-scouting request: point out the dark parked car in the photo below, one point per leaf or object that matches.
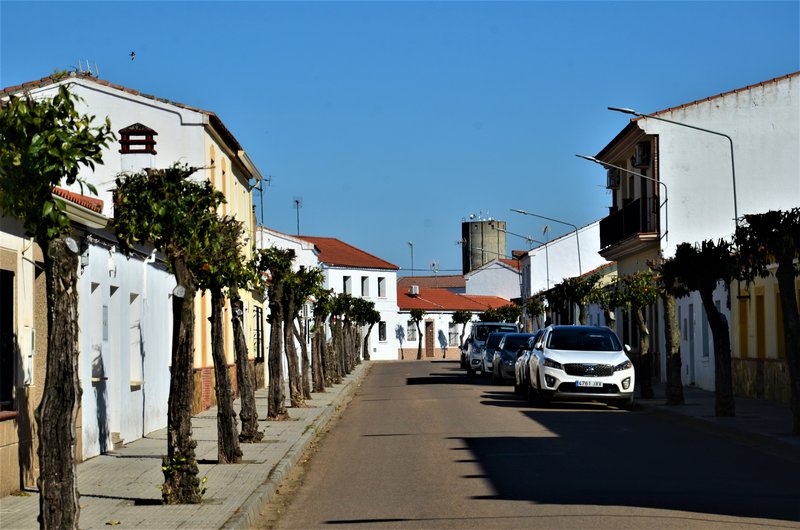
(505, 356)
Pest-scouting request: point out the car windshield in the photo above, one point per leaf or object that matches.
(483, 331)
(583, 339)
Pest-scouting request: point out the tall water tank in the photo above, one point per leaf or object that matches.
(483, 241)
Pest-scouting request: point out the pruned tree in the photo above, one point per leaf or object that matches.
(245, 376)
(218, 267)
(416, 316)
(701, 268)
(177, 214)
(669, 288)
(276, 263)
(307, 283)
(764, 239)
(462, 317)
(365, 314)
(578, 291)
(320, 355)
(342, 356)
(609, 298)
(535, 308)
(639, 292)
(44, 143)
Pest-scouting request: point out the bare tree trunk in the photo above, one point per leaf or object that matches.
(582, 314)
(645, 357)
(365, 350)
(275, 396)
(318, 355)
(228, 451)
(305, 368)
(610, 322)
(181, 485)
(57, 413)
(672, 339)
(791, 333)
(245, 378)
(724, 404)
(419, 341)
(295, 387)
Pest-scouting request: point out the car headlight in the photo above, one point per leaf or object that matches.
(550, 363)
(627, 365)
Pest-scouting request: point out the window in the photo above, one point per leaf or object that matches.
(452, 334)
(365, 286)
(382, 331)
(347, 286)
(411, 331)
(259, 334)
(381, 287)
(135, 355)
(137, 138)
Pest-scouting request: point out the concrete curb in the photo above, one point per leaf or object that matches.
(263, 494)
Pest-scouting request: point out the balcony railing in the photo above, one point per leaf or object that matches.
(634, 218)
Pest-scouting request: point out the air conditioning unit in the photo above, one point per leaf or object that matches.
(641, 155)
(413, 290)
(612, 180)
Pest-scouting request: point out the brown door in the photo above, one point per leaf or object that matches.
(429, 339)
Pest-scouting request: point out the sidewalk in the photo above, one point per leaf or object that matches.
(121, 488)
(762, 424)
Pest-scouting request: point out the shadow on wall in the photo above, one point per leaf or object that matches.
(443, 343)
(101, 398)
(400, 334)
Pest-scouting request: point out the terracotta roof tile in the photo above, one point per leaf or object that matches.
(513, 263)
(340, 254)
(91, 203)
(431, 299)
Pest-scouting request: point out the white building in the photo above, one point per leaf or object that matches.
(694, 170)
(498, 277)
(348, 269)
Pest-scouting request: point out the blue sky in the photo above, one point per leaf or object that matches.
(394, 121)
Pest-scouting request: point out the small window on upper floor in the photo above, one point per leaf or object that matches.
(347, 286)
(381, 287)
(137, 139)
(365, 286)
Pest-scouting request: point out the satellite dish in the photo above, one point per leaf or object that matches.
(435, 266)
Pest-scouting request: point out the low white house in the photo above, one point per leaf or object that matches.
(348, 269)
(499, 277)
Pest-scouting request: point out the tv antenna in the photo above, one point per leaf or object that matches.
(298, 203)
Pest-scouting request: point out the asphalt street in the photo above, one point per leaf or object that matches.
(422, 445)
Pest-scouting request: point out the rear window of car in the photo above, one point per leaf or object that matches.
(583, 339)
(494, 339)
(513, 342)
(483, 331)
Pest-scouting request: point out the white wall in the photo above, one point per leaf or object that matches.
(494, 279)
(125, 317)
(560, 257)
(764, 123)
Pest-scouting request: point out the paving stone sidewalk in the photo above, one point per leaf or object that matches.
(121, 489)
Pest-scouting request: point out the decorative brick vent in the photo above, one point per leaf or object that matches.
(137, 139)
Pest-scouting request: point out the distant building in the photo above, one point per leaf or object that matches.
(454, 282)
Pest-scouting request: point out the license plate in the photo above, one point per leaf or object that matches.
(594, 384)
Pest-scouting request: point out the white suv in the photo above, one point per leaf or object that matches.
(581, 363)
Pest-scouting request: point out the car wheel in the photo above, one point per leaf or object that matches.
(540, 398)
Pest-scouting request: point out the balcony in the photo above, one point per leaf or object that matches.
(635, 222)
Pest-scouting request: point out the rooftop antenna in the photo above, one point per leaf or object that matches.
(298, 203)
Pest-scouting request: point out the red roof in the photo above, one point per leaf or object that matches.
(444, 300)
(340, 254)
(453, 281)
(92, 203)
(513, 263)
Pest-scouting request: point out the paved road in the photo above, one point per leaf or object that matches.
(423, 446)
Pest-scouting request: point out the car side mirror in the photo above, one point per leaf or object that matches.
(539, 346)
(627, 348)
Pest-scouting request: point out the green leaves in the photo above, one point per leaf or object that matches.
(43, 144)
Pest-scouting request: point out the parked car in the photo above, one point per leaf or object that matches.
(505, 355)
(581, 363)
(492, 343)
(476, 343)
(521, 364)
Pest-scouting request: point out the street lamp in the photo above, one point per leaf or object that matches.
(411, 245)
(577, 239)
(651, 179)
(730, 141)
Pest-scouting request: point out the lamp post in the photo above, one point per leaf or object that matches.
(651, 179)
(577, 238)
(730, 141)
(411, 245)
